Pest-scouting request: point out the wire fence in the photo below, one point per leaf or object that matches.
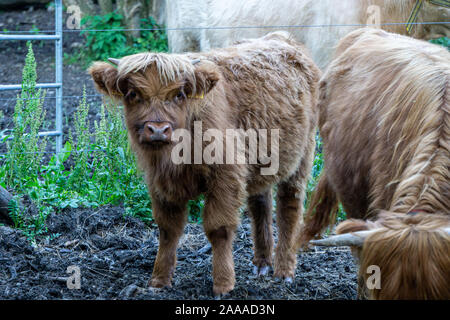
(5, 33)
(45, 98)
(386, 24)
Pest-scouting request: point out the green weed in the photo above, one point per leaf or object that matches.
(100, 46)
(444, 41)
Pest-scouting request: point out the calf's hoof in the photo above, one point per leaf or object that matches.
(261, 270)
(221, 290)
(159, 283)
(287, 280)
(284, 274)
(261, 266)
(284, 267)
(222, 296)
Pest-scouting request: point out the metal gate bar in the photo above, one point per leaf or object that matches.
(58, 85)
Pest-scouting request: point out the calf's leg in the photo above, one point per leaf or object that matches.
(291, 195)
(260, 209)
(171, 219)
(220, 220)
(222, 262)
(288, 215)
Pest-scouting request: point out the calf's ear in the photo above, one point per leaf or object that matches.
(206, 77)
(105, 78)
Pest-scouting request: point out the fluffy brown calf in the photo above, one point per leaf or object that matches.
(384, 115)
(268, 83)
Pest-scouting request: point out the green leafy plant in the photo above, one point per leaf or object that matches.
(35, 30)
(32, 226)
(23, 160)
(444, 41)
(195, 208)
(105, 43)
(109, 40)
(316, 172)
(316, 169)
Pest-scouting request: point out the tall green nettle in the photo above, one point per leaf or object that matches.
(25, 147)
(80, 171)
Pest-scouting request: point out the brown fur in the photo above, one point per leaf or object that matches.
(385, 121)
(267, 83)
(412, 252)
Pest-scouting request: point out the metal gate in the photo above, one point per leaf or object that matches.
(58, 85)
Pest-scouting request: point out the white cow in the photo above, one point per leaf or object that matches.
(220, 14)
(184, 19)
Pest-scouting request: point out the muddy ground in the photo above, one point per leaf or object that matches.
(115, 253)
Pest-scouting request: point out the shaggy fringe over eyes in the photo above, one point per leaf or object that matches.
(412, 252)
(170, 67)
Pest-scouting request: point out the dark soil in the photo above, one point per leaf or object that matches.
(116, 255)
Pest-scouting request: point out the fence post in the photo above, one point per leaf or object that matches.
(59, 72)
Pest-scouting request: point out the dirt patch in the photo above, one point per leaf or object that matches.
(116, 255)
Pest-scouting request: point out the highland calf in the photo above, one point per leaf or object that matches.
(384, 115)
(267, 85)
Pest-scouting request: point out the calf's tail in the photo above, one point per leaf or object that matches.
(321, 212)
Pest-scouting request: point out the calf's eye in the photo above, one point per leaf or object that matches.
(180, 96)
(131, 95)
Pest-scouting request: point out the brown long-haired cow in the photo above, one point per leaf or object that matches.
(385, 121)
(268, 83)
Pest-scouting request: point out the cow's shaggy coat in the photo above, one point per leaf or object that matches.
(412, 251)
(228, 21)
(267, 83)
(384, 115)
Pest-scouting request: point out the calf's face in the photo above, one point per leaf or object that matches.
(154, 109)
